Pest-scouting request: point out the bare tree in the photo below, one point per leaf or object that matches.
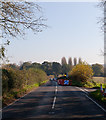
(16, 17)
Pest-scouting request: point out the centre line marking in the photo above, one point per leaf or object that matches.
(54, 102)
(56, 91)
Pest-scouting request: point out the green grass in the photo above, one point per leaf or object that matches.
(98, 96)
(95, 82)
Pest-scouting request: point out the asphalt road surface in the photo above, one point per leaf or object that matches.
(53, 101)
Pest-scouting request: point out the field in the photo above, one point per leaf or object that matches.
(99, 80)
(95, 82)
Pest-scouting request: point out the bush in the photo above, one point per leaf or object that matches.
(15, 82)
(81, 73)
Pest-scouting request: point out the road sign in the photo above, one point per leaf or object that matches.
(66, 82)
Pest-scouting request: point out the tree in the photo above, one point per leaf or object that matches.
(75, 61)
(36, 65)
(81, 72)
(47, 67)
(13, 66)
(56, 68)
(98, 69)
(80, 61)
(65, 66)
(16, 17)
(25, 65)
(70, 63)
(63, 61)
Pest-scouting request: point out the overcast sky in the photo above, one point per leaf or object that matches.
(73, 32)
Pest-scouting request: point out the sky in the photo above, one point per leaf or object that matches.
(73, 32)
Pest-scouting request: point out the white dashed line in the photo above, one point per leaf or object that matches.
(56, 90)
(54, 102)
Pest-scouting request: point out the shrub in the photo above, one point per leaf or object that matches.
(81, 73)
(15, 83)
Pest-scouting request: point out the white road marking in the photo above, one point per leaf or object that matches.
(96, 103)
(56, 89)
(92, 100)
(86, 90)
(54, 102)
(82, 90)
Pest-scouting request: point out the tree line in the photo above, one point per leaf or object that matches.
(18, 79)
(56, 68)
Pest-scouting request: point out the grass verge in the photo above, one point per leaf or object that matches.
(16, 93)
(99, 97)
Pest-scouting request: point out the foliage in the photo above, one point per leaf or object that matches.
(98, 95)
(3, 50)
(63, 61)
(70, 63)
(65, 68)
(13, 66)
(47, 67)
(56, 67)
(25, 65)
(16, 83)
(81, 73)
(98, 70)
(80, 61)
(75, 61)
(15, 18)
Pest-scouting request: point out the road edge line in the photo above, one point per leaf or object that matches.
(96, 103)
(92, 100)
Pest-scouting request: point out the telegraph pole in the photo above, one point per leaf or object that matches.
(105, 44)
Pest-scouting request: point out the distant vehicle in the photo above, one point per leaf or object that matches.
(55, 79)
(64, 81)
(51, 79)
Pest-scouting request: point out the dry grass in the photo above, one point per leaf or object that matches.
(99, 80)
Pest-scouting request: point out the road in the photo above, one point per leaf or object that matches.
(54, 101)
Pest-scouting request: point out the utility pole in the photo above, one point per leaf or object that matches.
(105, 44)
